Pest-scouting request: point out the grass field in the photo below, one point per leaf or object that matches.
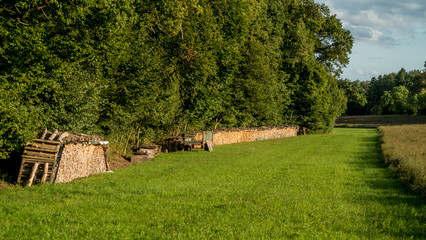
(404, 147)
(379, 120)
(309, 187)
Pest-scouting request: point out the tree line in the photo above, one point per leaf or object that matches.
(399, 92)
(160, 67)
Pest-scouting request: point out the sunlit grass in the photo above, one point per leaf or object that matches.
(310, 187)
(404, 147)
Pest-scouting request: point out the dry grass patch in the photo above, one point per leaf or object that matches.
(379, 120)
(404, 147)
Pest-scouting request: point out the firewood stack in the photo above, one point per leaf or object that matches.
(41, 159)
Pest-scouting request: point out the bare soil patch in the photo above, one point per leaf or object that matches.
(119, 161)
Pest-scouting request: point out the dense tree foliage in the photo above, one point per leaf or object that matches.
(395, 93)
(164, 66)
(355, 94)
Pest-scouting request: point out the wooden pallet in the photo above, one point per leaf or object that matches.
(39, 162)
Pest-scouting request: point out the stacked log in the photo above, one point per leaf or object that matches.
(80, 160)
(236, 135)
(62, 157)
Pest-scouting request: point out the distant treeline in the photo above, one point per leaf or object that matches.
(395, 93)
(157, 67)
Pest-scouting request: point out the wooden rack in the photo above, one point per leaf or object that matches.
(39, 160)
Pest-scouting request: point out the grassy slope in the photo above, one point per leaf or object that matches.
(317, 186)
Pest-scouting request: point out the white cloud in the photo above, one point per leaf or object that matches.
(375, 73)
(380, 21)
(360, 72)
(411, 6)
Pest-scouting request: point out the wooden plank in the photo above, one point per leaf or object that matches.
(54, 171)
(41, 145)
(27, 168)
(33, 172)
(50, 151)
(55, 132)
(21, 169)
(29, 158)
(209, 146)
(45, 172)
(39, 154)
(44, 134)
(194, 142)
(62, 136)
(41, 150)
(55, 165)
(47, 142)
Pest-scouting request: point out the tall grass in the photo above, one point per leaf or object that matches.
(379, 120)
(404, 147)
(309, 187)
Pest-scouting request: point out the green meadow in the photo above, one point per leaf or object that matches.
(333, 186)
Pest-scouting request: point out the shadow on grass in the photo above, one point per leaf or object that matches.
(395, 200)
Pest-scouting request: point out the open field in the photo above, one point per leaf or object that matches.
(311, 187)
(404, 147)
(379, 120)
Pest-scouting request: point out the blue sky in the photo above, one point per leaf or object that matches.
(389, 35)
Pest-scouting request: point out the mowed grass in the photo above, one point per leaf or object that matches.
(309, 187)
(404, 147)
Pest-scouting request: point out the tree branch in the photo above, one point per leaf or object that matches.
(25, 15)
(44, 13)
(47, 3)
(11, 12)
(19, 21)
(17, 9)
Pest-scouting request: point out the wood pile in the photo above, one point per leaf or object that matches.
(42, 159)
(80, 160)
(236, 135)
(145, 153)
